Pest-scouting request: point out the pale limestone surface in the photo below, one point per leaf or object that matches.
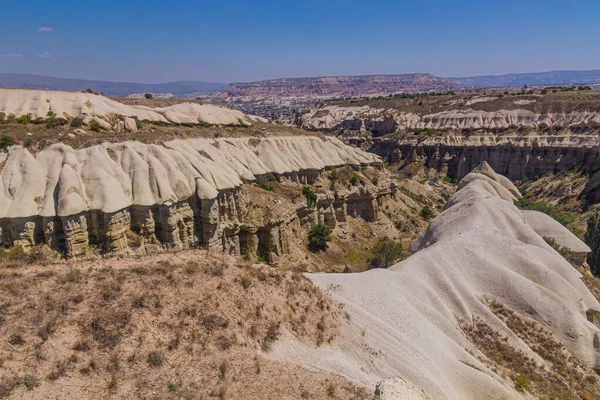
(114, 176)
(104, 110)
(333, 115)
(405, 320)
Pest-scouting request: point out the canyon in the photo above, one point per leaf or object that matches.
(522, 135)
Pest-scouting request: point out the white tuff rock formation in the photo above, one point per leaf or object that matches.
(382, 121)
(66, 105)
(412, 319)
(176, 194)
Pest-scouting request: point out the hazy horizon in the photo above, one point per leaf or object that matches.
(247, 41)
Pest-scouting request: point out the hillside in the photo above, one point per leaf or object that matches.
(534, 78)
(179, 88)
(341, 86)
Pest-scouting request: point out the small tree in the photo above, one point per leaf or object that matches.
(25, 119)
(426, 213)
(318, 238)
(592, 239)
(311, 197)
(51, 120)
(148, 95)
(385, 253)
(6, 141)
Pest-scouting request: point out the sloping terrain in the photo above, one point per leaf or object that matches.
(36, 104)
(576, 109)
(179, 88)
(534, 78)
(521, 134)
(186, 325)
(341, 85)
(484, 308)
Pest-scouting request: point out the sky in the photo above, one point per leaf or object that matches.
(242, 40)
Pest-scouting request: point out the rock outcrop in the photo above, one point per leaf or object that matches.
(425, 319)
(517, 156)
(181, 194)
(383, 121)
(108, 113)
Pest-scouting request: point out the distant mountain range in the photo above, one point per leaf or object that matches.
(179, 88)
(314, 86)
(535, 78)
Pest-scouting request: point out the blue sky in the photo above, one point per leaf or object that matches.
(236, 40)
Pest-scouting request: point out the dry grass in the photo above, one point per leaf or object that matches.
(176, 325)
(564, 377)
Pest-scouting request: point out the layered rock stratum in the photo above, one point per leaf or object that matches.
(483, 298)
(181, 193)
(521, 135)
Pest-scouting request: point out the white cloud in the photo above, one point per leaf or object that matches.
(11, 55)
(45, 55)
(45, 29)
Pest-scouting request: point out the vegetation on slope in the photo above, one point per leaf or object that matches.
(186, 325)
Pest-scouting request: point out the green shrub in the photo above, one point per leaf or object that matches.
(426, 213)
(95, 126)
(385, 253)
(311, 197)
(24, 119)
(522, 382)
(76, 122)
(264, 184)
(148, 95)
(318, 238)
(6, 141)
(51, 120)
(355, 180)
(547, 208)
(88, 90)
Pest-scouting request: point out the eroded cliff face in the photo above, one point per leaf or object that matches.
(515, 156)
(132, 197)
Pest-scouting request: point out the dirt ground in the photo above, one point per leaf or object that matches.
(188, 324)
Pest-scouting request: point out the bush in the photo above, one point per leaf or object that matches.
(311, 197)
(76, 122)
(318, 238)
(426, 213)
(522, 382)
(547, 208)
(24, 119)
(95, 126)
(6, 141)
(265, 184)
(88, 90)
(148, 95)
(386, 253)
(51, 120)
(355, 180)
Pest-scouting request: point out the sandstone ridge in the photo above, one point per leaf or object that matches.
(382, 121)
(107, 112)
(430, 318)
(179, 194)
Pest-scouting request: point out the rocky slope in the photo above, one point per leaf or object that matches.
(520, 135)
(484, 308)
(179, 194)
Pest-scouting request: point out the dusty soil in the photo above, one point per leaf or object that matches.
(187, 324)
(38, 136)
